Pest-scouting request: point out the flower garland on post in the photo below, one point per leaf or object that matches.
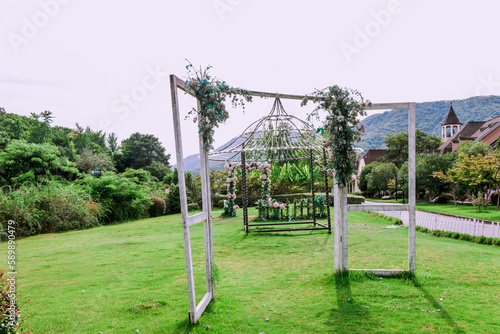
(230, 205)
(341, 126)
(211, 93)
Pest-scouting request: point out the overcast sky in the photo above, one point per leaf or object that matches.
(106, 63)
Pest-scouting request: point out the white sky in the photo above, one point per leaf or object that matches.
(77, 58)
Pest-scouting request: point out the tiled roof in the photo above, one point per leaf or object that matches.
(373, 155)
(485, 126)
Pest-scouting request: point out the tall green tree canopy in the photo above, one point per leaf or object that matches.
(381, 174)
(141, 150)
(397, 145)
(21, 157)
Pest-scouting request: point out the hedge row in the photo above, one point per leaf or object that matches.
(218, 200)
(455, 235)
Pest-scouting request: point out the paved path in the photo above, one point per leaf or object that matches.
(444, 223)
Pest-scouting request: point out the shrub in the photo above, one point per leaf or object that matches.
(122, 199)
(10, 323)
(158, 207)
(194, 206)
(173, 201)
(48, 208)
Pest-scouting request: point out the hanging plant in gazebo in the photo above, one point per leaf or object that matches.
(211, 93)
(341, 126)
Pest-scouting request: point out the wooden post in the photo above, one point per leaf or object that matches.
(340, 227)
(183, 199)
(207, 207)
(327, 193)
(411, 188)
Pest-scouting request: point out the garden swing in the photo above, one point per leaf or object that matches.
(253, 148)
(278, 137)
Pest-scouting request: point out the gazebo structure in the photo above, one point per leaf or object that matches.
(277, 137)
(340, 199)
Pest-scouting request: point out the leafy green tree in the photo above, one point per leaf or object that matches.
(88, 138)
(363, 180)
(381, 174)
(426, 165)
(139, 176)
(472, 148)
(21, 157)
(88, 160)
(141, 150)
(112, 142)
(39, 131)
(397, 145)
(157, 170)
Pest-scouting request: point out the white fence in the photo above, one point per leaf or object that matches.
(474, 227)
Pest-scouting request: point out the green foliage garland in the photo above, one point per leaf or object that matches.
(341, 127)
(211, 93)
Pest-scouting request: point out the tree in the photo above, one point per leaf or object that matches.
(88, 138)
(378, 179)
(363, 177)
(473, 148)
(39, 131)
(139, 176)
(397, 145)
(21, 158)
(157, 170)
(478, 172)
(112, 142)
(88, 160)
(426, 165)
(141, 150)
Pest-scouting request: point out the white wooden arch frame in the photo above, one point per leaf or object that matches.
(340, 201)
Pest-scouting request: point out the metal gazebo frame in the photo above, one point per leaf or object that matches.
(277, 137)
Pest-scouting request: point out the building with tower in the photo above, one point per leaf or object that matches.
(453, 134)
(451, 124)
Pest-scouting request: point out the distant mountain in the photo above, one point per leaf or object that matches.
(192, 162)
(430, 115)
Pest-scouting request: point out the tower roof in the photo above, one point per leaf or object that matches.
(452, 118)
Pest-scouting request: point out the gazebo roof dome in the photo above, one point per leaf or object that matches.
(275, 137)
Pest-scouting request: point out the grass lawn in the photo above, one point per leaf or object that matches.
(129, 277)
(487, 213)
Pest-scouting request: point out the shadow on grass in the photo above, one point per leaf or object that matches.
(184, 327)
(349, 316)
(437, 306)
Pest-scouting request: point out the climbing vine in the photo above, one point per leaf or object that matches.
(211, 93)
(341, 127)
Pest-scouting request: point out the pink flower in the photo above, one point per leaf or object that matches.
(229, 196)
(282, 206)
(233, 164)
(276, 205)
(234, 195)
(235, 178)
(229, 180)
(236, 207)
(263, 176)
(226, 166)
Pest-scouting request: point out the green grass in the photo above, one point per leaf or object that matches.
(134, 277)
